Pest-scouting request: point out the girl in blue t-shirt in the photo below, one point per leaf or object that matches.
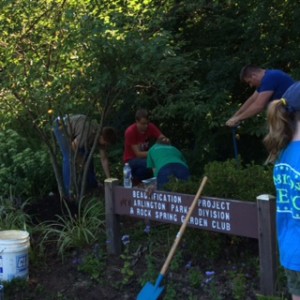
(283, 144)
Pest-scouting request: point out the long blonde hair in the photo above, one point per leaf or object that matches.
(281, 125)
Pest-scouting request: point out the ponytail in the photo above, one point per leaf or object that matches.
(281, 128)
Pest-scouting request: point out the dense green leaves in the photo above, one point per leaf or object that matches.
(179, 59)
(24, 171)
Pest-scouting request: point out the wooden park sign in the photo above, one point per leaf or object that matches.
(248, 219)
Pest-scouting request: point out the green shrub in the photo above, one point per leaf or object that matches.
(230, 180)
(76, 231)
(195, 277)
(127, 269)
(151, 272)
(13, 216)
(94, 264)
(23, 171)
(238, 285)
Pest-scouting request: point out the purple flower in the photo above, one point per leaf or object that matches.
(188, 265)
(147, 229)
(77, 261)
(125, 239)
(210, 273)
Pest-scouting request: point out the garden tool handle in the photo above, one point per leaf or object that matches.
(182, 228)
(235, 147)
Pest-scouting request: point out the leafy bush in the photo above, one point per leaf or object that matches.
(94, 264)
(23, 171)
(76, 231)
(230, 180)
(13, 216)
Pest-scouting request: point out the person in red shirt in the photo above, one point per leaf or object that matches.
(137, 143)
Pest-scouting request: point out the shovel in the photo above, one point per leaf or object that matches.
(235, 147)
(150, 291)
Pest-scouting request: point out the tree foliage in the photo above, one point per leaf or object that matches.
(179, 59)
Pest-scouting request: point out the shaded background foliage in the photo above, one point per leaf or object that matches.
(181, 60)
(106, 58)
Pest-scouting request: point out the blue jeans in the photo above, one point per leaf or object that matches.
(64, 143)
(139, 169)
(176, 170)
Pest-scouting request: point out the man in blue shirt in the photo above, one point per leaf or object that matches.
(269, 84)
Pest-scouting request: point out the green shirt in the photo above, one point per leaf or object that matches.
(160, 155)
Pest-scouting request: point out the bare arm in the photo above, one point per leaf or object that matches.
(257, 106)
(74, 144)
(138, 153)
(253, 108)
(143, 154)
(164, 138)
(246, 104)
(105, 162)
(79, 158)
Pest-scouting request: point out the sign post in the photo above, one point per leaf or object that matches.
(267, 243)
(113, 236)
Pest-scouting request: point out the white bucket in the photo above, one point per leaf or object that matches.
(14, 246)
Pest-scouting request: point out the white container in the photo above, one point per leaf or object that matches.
(150, 185)
(151, 182)
(14, 246)
(127, 179)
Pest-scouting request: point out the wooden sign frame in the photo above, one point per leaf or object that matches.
(242, 218)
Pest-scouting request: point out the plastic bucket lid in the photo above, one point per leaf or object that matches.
(13, 235)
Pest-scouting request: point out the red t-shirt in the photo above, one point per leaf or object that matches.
(134, 137)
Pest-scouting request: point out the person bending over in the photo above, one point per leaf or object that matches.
(167, 162)
(75, 136)
(269, 84)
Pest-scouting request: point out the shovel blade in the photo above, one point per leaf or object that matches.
(150, 292)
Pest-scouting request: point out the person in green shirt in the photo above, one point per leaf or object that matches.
(167, 161)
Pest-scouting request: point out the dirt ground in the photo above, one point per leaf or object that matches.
(63, 281)
(57, 280)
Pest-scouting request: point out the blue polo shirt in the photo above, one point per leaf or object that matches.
(276, 81)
